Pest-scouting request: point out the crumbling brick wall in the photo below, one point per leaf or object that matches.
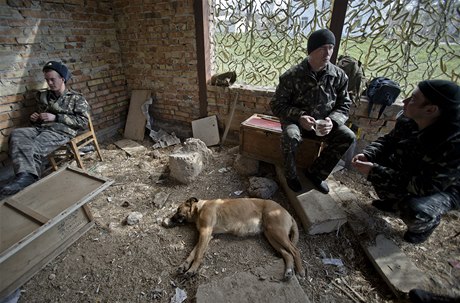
(80, 33)
(112, 48)
(252, 100)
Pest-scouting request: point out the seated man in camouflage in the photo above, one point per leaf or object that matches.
(415, 169)
(315, 89)
(61, 114)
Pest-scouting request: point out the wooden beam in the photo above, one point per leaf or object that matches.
(203, 53)
(339, 10)
(27, 211)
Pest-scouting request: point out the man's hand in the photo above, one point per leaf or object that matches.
(324, 128)
(362, 164)
(34, 117)
(307, 122)
(47, 117)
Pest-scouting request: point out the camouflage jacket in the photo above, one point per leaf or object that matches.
(299, 92)
(71, 110)
(422, 162)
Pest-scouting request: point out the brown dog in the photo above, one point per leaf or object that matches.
(241, 217)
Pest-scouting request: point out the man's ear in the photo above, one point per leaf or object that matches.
(433, 110)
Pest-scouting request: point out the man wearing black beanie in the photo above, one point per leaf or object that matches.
(314, 90)
(61, 113)
(415, 169)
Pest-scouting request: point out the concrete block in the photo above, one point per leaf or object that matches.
(394, 266)
(261, 285)
(318, 212)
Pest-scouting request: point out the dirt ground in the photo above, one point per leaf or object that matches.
(116, 262)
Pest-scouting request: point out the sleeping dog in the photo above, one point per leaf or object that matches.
(241, 217)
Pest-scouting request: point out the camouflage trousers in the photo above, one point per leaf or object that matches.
(28, 147)
(420, 214)
(337, 143)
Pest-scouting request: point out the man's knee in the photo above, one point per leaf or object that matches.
(421, 210)
(346, 134)
(290, 137)
(17, 135)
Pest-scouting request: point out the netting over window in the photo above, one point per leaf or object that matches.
(405, 40)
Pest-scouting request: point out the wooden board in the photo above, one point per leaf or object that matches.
(395, 267)
(206, 130)
(260, 138)
(130, 147)
(41, 221)
(136, 121)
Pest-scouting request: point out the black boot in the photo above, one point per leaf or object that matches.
(417, 238)
(21, 181)
(321, 185)
(422, 296)
(294, 184)
(385, 205)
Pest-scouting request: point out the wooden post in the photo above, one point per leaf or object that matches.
(203, 52)
(339, 10)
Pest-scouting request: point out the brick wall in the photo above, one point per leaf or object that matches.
(82, 34)
(256, 100)
(158, 44)
(112, 48)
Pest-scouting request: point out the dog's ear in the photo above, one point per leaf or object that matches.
(191, 200)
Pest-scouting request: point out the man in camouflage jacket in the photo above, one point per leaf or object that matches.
(314, 89)
(415, 169)
(61, 113)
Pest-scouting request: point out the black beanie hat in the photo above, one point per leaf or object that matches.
(445, 94)
(60, 68)
(319, 38)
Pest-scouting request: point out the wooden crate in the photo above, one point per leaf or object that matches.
(260, 138)
(41, 221)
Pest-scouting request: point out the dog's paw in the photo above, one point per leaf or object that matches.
(288, 274)
(185, 266)
(302, 273)
(181, 269)
(189, 274)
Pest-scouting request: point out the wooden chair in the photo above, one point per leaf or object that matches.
(72, 148)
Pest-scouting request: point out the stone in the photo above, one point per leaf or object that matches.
(261, 285)
(263, 188)
(187, 162)
(134, 218)
(319, 212)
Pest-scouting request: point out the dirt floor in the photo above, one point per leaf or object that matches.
(116, 262)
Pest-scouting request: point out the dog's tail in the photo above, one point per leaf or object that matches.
(294, 232)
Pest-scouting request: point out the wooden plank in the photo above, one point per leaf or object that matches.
(21, 266)
(27, 244)
(41, 196)
(206, 130)
(130, 147)
(394, 266)
(27, 211)
(136, 121)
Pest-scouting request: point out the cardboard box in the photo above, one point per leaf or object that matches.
(260, 138)
(41, 221)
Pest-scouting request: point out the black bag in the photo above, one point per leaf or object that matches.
(356, 78)
(383, 91)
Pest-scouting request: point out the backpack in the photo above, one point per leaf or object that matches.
(355, 72)
(383, 91)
